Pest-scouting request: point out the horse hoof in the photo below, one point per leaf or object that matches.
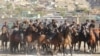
(88, 50)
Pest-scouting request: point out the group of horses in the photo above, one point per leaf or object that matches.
(31, 39)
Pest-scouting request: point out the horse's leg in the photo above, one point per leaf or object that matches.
(79, 45)
(71, 49)
(84, 46)
(38, 49)
(17, 47)
(75, 46)
(95, 47)
(55, 49)
(6, 45)
(2, 44)
(92, 48)
(14, 47)
(97, 44)
(59, 47)
(88, 46)
(26, 47)
(72, 46)
(44, 47)
(21, 46)
(11, 46)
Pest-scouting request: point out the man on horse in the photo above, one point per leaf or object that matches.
(40, 28)
(16, 31)
(5, 28)
(36, 23)
(52, 28)
(64, 26)
(86, 26)
(23, 26)
(4, 34)
(92, 25)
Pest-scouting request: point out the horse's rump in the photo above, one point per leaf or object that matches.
(29, 38)
(42, 38)
(97, 33)
(67, 40)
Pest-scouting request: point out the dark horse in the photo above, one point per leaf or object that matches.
(15, 39)
(75, 38)
(83, 36)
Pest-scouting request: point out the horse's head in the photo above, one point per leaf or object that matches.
(67, 30)
(74, 31)
(60, 36)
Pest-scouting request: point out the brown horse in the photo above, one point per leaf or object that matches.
(92, 40)
(31, 37)
(97, 35)
(53, 44)
(56, 41)
(67, 40)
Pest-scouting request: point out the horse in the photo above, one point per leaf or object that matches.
(83, 36)
(15, 39)
(92, 41)
(97, 35)
(4, 37)
(47, 40)
(56, 41)
(75, 38)
(67, 42)
(22, 42)
(33, 38)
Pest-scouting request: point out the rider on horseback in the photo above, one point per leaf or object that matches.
(5, 33)
(73, 25)
(5, 28)
(86, 25)
(24, 26)
(40, 28)
(92, 26)
(52, 29)
(15, 28)
(36, 23)
(63, 26)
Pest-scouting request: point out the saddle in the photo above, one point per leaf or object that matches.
(51, 36)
